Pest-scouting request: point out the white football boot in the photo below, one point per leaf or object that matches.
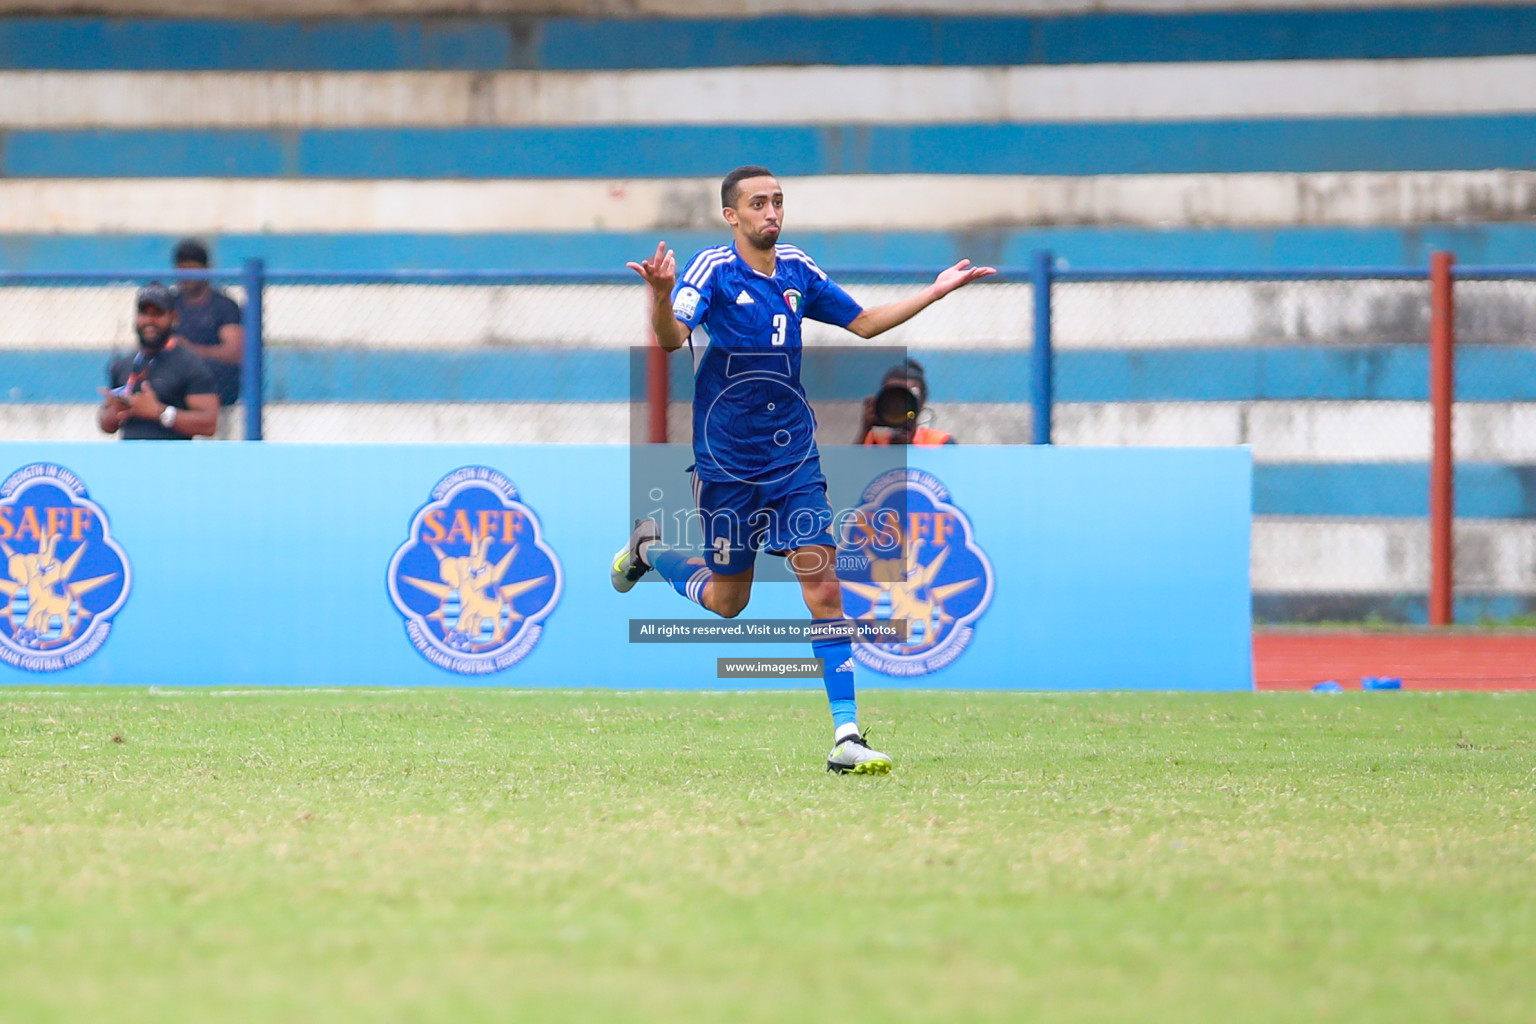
(853, 756)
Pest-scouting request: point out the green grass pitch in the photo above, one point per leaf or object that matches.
(484, 855)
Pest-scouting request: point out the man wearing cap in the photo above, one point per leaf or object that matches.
(163, 391)
(209, 320)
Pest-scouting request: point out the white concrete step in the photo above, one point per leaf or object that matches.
(819, 95)
(903, 202)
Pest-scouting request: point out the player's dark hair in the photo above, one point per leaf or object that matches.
(730, 188)
(190, 250)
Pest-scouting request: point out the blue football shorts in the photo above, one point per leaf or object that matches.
(778, 517)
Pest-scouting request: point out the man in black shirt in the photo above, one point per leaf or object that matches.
(163, 391)
(210, 321)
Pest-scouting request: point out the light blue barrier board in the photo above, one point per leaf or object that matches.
(218, 564)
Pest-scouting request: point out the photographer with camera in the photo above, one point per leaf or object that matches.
(890, 415)
(162, 392)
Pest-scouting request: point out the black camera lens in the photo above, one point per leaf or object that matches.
(896, 406)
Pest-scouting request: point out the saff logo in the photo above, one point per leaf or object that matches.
(910, 554)
(475, 580)
(65, 577)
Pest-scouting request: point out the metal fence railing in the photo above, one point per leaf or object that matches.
(1325, 373)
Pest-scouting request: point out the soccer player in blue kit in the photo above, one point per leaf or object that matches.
(757, 473)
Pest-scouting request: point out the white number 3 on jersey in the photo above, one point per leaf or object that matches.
(780, 328)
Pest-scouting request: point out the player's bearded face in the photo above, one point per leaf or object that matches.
(153, 326)
(762, 234)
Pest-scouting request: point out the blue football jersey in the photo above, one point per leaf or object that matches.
(751, 420)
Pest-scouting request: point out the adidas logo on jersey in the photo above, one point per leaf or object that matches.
(743, 299)
(846, 666)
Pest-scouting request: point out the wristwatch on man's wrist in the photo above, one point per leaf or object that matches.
(168, 418)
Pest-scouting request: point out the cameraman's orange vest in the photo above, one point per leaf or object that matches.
(924, 436)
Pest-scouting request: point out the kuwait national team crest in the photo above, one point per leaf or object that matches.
(910, 554)
(64, 576)
(475, 580)
(793, 299)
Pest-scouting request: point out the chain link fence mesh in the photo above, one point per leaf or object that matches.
(506, 361)
(495, 363)
(528, 363)
(57, 337)
(1494, 439)
(973, 347)
(1327, 380)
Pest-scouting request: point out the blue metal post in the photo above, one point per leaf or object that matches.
(254, 277)
(1041, 399)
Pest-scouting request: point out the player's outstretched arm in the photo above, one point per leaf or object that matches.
(879, 319)
(660, 272)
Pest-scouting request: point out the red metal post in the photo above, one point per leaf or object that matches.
(1442, 343)
(656, 392)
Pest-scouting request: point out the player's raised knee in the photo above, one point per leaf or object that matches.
(730, 602)
(824, 598)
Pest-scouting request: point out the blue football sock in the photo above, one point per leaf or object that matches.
(837, 674)
(687, 578)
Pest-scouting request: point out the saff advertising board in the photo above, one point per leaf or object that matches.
(219, 564)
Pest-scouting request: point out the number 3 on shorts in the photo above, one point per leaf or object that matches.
(780, 328)
(722, 551)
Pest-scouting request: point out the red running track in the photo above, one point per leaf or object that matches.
(1298, 660)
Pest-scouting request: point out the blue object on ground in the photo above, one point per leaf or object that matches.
(1328, 687)
(1380, 683)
